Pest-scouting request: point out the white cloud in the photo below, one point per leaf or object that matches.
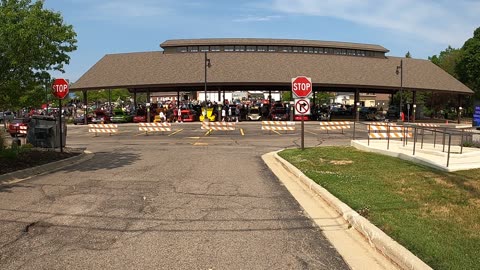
(251, 18)
(437, 21)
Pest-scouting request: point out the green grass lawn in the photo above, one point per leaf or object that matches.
(434, 214)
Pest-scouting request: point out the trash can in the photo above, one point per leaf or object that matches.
(44, 131)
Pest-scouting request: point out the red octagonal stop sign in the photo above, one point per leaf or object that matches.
(60, 88)
(302, 86)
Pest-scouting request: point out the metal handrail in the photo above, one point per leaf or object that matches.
(420, 131)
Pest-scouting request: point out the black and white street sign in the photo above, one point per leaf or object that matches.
(302, 106)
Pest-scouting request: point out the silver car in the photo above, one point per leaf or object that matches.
(254, 114)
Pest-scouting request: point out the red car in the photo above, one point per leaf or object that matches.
(143, 118)
(101, 117)
(18, 127)
(140, 119)
(188, 116)
(279, 114)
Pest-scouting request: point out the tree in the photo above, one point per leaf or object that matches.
(33, 41)
(447, 60)
(408, 55)
(468, 67)
(286, 96)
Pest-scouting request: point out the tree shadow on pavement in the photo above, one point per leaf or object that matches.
(107, 160)
(7, 187)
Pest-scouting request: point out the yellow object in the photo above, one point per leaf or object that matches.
(210, 115)
(157, 119)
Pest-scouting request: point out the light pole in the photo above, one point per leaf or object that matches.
(400, 70)
(148, 112)
(207, 65)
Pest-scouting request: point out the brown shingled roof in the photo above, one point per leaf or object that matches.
(167, 72)
(272, 42)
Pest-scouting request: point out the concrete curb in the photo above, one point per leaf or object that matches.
(18, 176)
(377, 238)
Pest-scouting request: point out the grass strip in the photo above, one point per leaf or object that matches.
(434, 214)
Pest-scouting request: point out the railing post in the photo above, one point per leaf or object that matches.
(449, 143)
(461, 142)
(443, 140)
(368, 135)
(354, 130)
(388, 137)
(423, 133)
(414, 140)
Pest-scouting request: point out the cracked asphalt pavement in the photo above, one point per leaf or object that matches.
(186, 201)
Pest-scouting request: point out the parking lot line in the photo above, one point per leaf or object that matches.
(208, 132)
(200, 144)
(241, 132)
(173, 133)
(313, 133)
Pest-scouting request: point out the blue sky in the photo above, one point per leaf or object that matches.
(423, 27)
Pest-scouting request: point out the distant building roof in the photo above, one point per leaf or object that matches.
(157, 71)
(272, 42)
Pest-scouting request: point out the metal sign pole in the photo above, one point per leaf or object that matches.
(303, 134)
(60, 121)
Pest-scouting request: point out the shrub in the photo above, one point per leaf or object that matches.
(2, 140)
(9, 153)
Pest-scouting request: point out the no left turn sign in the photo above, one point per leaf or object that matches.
(302, 106)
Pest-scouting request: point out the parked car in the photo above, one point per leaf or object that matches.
(338, 111)
(279, 114)
(101, 117)
(254, 114)
(15, 124)
(322, 114)
(120, 116)
(141, 115)
(393, 112)
(188, 115)
(80, 120)
(6, 116)
(139, 118)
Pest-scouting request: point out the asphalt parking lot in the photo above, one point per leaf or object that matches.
(183, 199)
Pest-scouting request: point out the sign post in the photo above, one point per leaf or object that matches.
(302, 89)
(60, 89)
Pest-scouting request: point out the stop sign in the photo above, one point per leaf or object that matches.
(60, 88)
(302, 86)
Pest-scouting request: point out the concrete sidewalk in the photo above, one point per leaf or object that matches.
(436, 157)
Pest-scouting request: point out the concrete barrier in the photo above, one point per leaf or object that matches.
(103, 128)
(335, 125)
(154, 127)
(278, 126)
(223, 126)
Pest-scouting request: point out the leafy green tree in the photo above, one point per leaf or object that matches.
(408, 55)
(286, 96)
(468, 67)
(33, 41)
(447, 60)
